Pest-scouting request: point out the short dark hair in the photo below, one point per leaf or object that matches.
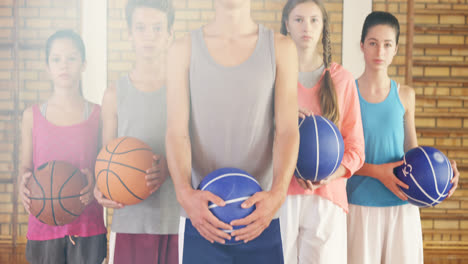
(66, 34)
(380, 18)
(164, 6)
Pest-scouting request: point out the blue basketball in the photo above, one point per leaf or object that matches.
(428, 173)
(234, 186)
(321, 148)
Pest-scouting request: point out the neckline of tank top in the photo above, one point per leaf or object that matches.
(320, 69)
(204, 47)
(81, 123)
(145, 93)
(392, 84)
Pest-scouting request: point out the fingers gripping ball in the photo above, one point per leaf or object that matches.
(428, 173)
(121, 170)
(234, 186)
(321, 149)
(55, 193)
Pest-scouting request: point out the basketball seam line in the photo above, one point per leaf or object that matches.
(56, 198)
(128, 151)
(108, 165)
(125, 165)
(123, 184)
(229, 175)
(43, 194)
(230, 201)
(60, 192)
(51, 191)
(318, 148)
(338, 144)
(432, 169)
(420, 188)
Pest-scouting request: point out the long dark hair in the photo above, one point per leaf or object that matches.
(327, 93)
(380, 18)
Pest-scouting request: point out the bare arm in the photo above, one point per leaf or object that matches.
(286, 144)
(285, 148)
(177, 136)
(109, 132)
(408, 98)
(26, 163)
(109, 115)
(178, 149)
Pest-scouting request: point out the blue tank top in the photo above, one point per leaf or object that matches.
(384, 136)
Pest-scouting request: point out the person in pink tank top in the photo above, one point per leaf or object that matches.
(313, 218)
(66, 128)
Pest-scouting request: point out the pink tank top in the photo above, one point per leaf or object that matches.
(78, 145)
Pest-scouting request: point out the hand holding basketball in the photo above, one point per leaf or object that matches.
(195, 203)
(156, 175)
(456, 177)
(307, 184)
(24, 192)
(87, 192)
(102, 200)
(267, 203)
(304, 112)
(385, 175)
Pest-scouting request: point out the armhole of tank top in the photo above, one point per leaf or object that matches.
(399, 98)
(271, 44)
(43, 109)
(88, 110)
(120, 90)
(194, 39)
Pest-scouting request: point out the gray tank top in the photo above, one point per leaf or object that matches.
(311, 78)
(232, 111)
(143, 115)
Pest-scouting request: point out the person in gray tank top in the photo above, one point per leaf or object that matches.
(136, 106)
(232, 102)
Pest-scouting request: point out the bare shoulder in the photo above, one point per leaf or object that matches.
(110, 95)
(285, 49)
(407, 91)
(109, 101)
(283, 43)
(407, 96)
(28, 114)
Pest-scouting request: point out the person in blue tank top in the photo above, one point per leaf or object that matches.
(382, 226)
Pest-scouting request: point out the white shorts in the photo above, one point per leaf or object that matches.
(313, 230)
(384, 235)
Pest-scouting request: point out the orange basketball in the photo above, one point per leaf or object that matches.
(55, 193)
(121, 169)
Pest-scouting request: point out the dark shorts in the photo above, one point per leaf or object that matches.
(69, 250)
(267, 248)
(145, 249)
